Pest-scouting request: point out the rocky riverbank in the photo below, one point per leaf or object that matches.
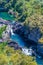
(24, 34)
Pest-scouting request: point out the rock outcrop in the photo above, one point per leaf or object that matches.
(14, 45)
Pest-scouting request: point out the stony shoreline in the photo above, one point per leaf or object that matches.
(20, 30)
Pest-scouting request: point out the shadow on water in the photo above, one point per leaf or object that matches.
(21, 43)
(18, 39)
(39, 61)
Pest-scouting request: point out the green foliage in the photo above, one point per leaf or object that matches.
(30, 12)
(35, 20)
(14, 57)
(1, 30)
(41, 40)
(24, 8)
(2, 46)
(9, 4)
(2, 1)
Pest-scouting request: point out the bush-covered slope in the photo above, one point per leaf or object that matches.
(9, 56)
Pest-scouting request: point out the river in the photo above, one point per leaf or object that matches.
(16, 37)
(21, 43)
(6, 16)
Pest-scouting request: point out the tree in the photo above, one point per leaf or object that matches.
(35, 21)
(3, 28)
(24, 8)
(9, 56)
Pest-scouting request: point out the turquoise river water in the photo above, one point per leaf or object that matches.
(15, 37)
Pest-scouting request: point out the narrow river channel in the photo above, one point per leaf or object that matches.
(21, 43)
(16, 37)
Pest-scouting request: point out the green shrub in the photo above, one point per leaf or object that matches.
(15, 57)
(3, 28)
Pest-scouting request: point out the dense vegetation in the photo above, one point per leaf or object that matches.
(9, 56)
(30, 13)
(27, 11)
(3, 28)
(24, 8)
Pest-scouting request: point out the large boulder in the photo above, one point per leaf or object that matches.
(14, 45)
(5, 36)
